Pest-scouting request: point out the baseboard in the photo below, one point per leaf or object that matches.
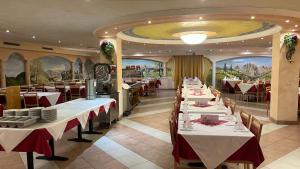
(284, 122)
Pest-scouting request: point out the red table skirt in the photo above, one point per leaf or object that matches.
(37, 141)
(250, 151)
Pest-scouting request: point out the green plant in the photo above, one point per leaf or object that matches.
(108, 50)
(290, 42)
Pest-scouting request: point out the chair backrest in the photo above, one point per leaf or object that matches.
(30, 100)
(13, 98)
(256, 127)
(232, 106)
(74, 92)
(172, 131)
(226, 102)
(246, 118)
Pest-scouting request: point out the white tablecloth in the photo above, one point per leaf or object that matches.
(213, 109)
(192, 97)
(232, 82)
(245, 87)
(166, 83)
(67, 88)
(79, 108)
(51, 96)
(213, 144)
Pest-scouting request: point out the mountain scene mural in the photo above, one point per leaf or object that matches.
(50, 68)
(248, 68)
(15, 70)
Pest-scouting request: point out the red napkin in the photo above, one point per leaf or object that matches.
(213, 123)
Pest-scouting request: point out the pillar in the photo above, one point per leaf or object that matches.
(27, 72)
(73, 70)
(118, 62)
(165, 70)
(214, 74)
(284, 84)
(3, 79)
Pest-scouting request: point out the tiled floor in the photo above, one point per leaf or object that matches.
(142, 141)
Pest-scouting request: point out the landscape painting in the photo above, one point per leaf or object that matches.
(246, 68)
(78, 69)
(15, 70)
(50, 68)
(141, 68)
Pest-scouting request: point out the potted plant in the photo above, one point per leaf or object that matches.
(290, 42)
(108, 50)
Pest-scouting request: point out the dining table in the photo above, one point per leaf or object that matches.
(227, 139)
(245, 87)
(47, 99)
(40, 137)
(211, 107)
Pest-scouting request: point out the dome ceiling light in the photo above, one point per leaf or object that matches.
(193, 39)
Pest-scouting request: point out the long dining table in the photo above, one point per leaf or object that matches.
(216, 143)
(40, 137)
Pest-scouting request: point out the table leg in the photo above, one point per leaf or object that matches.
(91, 128)
(53, 157)
(79, 136)
(30, 164)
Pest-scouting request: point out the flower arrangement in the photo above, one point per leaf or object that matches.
(108, 50)
(290, 42)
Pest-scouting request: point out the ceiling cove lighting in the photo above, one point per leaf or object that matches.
(193, 39)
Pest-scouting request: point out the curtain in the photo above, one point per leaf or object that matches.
(191, 66)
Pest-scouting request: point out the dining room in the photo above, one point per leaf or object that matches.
(97, 84)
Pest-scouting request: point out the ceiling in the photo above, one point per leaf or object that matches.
(81, 23)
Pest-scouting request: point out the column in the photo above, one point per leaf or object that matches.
(118, 62)
(165, 70)
(284, 84)
(27, 72)
(214, 74)
(3, 79)
(73, 70)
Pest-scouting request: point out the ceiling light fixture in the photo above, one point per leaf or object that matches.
(200, 18)
(106, 32)
(33, 37)
(193, 39)
(116, 28)
(149, 22)
(59, 41)
(252, 17)
(287, 21)
(296, 26)
(7, 31)
(262, 38)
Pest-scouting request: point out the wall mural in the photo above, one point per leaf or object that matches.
(142, 68)
(89, 69)
(246, 68)
(78, 69)
(50, 68)
(15, 70)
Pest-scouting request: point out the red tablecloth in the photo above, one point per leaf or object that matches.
(37, 141)
(250, 151)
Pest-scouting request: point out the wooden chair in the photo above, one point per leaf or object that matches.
(62, 90)
(152, 88)
(75, 92)
(13, 98)
(256, 128)
(246, 118)
(232, 106)
(30, 100)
